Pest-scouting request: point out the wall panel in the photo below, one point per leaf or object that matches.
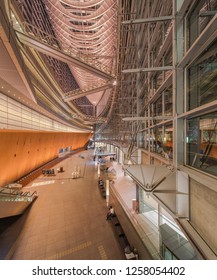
(23, 151)
(203, 212)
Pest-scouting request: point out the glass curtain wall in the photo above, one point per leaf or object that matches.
(202, 77)
(202, 143)
(200, 16)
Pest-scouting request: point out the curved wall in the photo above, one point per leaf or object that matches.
(23, 151)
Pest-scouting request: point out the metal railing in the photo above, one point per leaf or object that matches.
(7, 194)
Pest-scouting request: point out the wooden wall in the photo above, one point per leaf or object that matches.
(23, 151)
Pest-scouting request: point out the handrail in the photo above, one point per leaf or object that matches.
(134, 220)
(18, 194)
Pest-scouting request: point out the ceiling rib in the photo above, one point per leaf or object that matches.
(62, 56)
(80, 93)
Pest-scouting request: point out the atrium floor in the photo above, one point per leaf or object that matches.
(68, 219)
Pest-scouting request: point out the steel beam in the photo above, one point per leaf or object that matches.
(130, 119)
(60, 55)
(147, 20)
(151, 69)
(208, 13)
(81, 93)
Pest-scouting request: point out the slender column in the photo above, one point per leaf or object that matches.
(140, 199)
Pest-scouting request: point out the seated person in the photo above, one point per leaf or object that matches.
(111, 213)
(100, 182)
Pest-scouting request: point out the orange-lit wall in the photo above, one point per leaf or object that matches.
(23, 151)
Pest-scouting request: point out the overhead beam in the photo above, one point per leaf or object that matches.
(60, 55)
(207, 13)
(80, 93)
(147, 20)
(130, 119)
(150, 69)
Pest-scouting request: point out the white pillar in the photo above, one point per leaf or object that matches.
(98, 169)
(107, 192)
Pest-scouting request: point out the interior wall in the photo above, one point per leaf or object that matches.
(144, 158)
(203, 212)
(157, 162)
(23, 151)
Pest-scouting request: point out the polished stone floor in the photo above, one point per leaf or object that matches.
(67, 220)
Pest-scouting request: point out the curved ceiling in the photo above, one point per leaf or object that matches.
(81, 56)
(88, 29)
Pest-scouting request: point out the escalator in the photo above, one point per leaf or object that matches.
(13, 202)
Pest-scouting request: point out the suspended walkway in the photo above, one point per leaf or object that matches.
(45, 43)
(71, 95)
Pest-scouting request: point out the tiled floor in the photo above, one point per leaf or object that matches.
(67, 220)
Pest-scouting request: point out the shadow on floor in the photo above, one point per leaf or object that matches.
(5, 223)
(10, 229)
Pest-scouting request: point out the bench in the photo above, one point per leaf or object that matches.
(115, 221)
(103, 192)
(101, 188)
(48, 172)
(124, 243)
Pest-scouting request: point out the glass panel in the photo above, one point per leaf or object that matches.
(158, 107)
(168, 100)
(163, 141)
(158, 136)
(146, 140)
(167, 254)
(201, 143)
(175, 246)
(14, 115)
(202, 79)
(200, 16)
(168, 142)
